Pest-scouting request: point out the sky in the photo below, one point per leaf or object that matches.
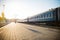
(22, 9)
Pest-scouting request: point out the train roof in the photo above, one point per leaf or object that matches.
(50, 10)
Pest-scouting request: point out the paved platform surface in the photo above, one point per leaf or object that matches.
(20, 31)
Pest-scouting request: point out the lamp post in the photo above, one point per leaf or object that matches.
(15, 17)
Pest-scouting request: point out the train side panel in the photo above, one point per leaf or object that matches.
(59, 14)
(49, 17)
(45, 17)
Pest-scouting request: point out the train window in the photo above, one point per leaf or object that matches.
(44, 15)
(54, 14)
(41, 16)
(37, 16)
(47, 15)
(51, 14)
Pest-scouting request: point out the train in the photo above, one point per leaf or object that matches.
(52, 16)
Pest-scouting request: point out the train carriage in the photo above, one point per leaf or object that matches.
(49, 17)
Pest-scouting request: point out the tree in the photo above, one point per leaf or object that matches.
(2, 19)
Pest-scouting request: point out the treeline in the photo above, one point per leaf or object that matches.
(2, 20)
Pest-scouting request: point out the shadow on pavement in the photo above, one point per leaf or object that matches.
(33, 30)
(44, 25)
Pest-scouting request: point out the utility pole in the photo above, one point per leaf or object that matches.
(15, 17)
(3, 10)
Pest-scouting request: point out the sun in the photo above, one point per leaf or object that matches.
(16, 10)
